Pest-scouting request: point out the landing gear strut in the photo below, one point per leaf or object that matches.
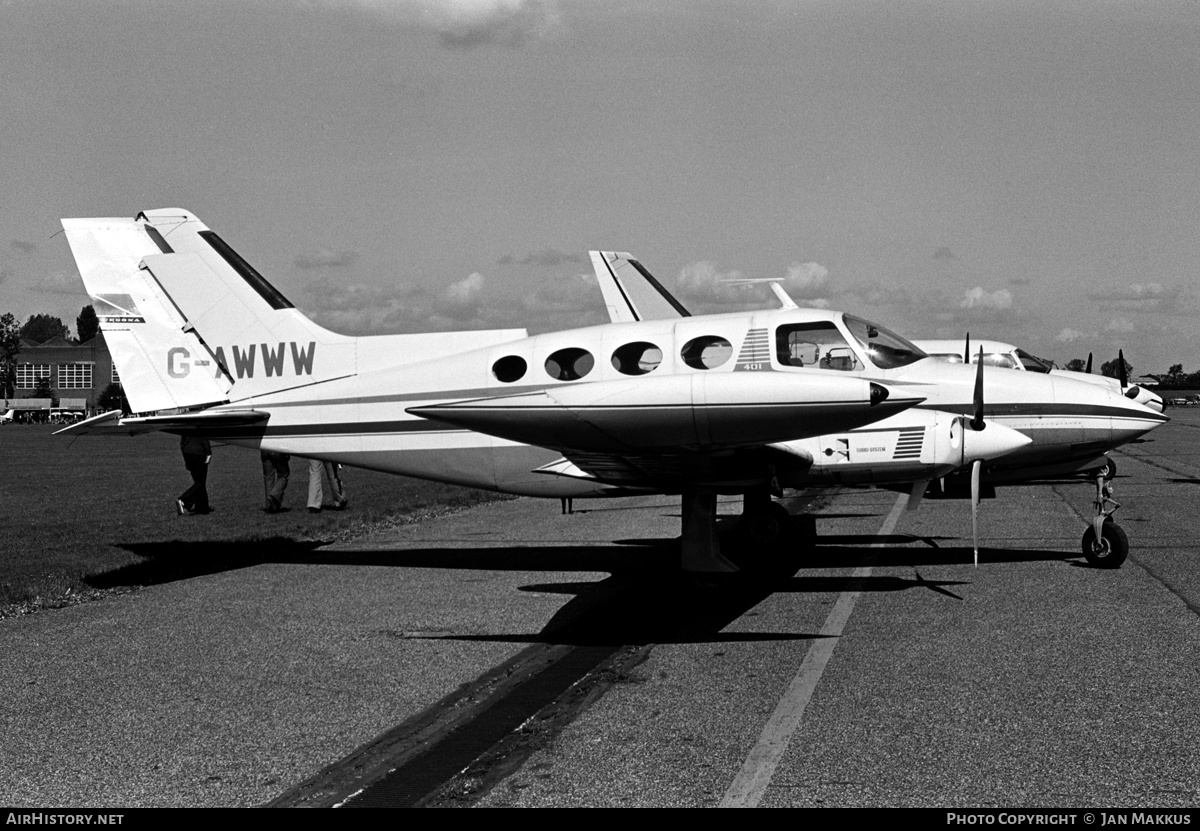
(1105, 544)
(769, 538)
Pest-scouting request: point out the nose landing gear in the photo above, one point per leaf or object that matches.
(1105, 544)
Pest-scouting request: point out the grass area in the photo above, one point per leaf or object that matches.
(89, 515)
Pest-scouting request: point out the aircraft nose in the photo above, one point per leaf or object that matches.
(992, 442)
(1105, 415)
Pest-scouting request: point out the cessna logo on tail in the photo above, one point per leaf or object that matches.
(272, 361)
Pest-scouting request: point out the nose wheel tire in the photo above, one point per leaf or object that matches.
(1110, 550)
(1109, 470)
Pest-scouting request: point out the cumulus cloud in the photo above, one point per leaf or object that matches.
(1119, 324)
(5, 273)
(325, 258)
(1069, 335)
(466, 24)
(547, 257)
(573, 294)
(461, 300)
(701, 283)
(1135, 297)
(705, 289)
(978, 298)
(23, 246)
(944, 253)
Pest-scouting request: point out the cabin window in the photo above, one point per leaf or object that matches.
(509, 368)
(637, 358)
(570, 364)
(814, 345)
(1000, 359)
(706, 352)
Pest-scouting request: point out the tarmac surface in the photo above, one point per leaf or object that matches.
(888, 671)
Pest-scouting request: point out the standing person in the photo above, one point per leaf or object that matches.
(197, 452)
(317, 471)
(275, 478)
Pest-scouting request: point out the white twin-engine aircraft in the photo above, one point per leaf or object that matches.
(657, 402)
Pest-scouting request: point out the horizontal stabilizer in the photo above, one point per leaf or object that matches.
(113, 424)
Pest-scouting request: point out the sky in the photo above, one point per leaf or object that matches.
(1023, 171)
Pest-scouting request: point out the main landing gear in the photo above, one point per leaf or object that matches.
(767, 539)
(1105, 544)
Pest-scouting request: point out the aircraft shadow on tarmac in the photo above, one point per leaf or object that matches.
(175, 560)
(646, 600)
(629, 609)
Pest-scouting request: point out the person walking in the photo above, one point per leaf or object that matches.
(276, 471)
(318, 471)
(197, 453)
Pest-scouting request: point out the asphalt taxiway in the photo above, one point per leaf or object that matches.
(886, 671)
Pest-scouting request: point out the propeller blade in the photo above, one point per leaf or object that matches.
(1123, 375)
(967, 350)
(977, 422)
(1089, 366)
(976, 468)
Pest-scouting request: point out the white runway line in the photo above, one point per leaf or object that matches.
(752, 780)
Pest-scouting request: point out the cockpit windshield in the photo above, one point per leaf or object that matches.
(885, 348)
(1033, 363)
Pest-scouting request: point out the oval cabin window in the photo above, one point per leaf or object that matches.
(637, 358)
(509, 368)
(706, 352)
(570, 364)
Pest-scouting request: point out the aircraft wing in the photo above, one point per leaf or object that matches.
(630, 292)
(671, 473)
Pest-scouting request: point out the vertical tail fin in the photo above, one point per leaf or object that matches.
(223, 332)
(630, 291)
(153, 349)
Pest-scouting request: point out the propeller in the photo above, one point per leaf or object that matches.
(982, 441)
(1089, 364)
(1122, 374)
(977, 424)
(976, 469)
(967, 350)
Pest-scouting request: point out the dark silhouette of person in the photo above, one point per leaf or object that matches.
(275, 478)
(197, 452)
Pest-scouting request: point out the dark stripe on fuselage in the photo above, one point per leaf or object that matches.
(431, 395)
(420, 425)
(1047, 410)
